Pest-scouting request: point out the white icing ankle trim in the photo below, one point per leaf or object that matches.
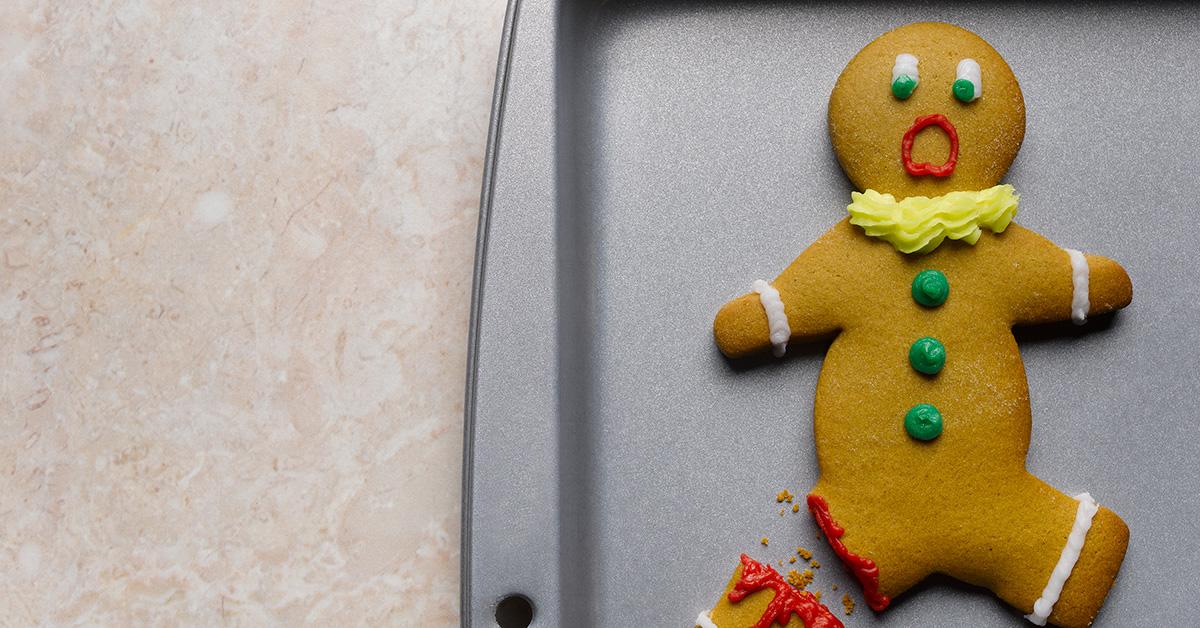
(1079, 280)
(777, 321)
(1066, 560)
(704, 621)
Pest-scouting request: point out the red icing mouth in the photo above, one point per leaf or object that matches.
(933, 119)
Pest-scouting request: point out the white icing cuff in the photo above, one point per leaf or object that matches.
(777, 322)
(1079, 280)
(704, 621)
(1066, 560)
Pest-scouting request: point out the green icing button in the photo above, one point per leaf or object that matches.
(903, 86)
(964, 90)
(923, 422)
(930, 288)
(927, 355)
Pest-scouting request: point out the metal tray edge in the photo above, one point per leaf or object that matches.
(499, 93)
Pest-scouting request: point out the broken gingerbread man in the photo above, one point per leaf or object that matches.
(922, 417)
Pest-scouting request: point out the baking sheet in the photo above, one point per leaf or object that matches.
(649, 159)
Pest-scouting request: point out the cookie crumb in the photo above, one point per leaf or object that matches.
(835, 587)
(817, 594)
(781, 510)
(804, 553)
(848, 604)
(800, 580)
(792, 560)
(764, 541)
(784, 496)
(815, 564)
(795, 507)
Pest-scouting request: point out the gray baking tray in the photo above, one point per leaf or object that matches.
(649, 159)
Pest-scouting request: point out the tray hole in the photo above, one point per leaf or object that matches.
(514, 611)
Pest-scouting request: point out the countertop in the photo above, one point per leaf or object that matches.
(237, 248)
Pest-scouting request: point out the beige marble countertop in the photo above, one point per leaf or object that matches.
(236, 248)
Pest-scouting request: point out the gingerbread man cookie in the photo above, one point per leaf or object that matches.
(922, 417)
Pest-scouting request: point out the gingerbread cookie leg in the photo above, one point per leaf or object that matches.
(1098, 560)
(1050, 555)
(758, 597)
(865, 541)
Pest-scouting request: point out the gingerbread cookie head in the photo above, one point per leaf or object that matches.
(924, 110)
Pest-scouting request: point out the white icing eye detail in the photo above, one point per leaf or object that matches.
(904, 76)
(968, 83)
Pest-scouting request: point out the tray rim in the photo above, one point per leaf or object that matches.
(499, 96)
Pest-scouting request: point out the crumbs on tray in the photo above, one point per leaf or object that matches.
(800, 580)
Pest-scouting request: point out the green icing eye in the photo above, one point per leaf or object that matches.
(905, 76)
(964, 90)
(903, 86)
(968, 84)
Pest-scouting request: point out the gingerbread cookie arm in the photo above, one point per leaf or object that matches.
(797, 306)
(1061, 283)
(1109, 287)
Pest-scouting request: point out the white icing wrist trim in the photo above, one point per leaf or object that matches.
(1079, 280)
(704, 621)
(777, 321)
(1066, 560)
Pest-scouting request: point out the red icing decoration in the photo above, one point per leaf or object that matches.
(788, 599)
(862, 567)
(925, 167)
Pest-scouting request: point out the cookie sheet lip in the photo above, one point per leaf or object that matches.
(924, 168)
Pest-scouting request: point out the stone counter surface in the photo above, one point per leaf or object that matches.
(236, 242)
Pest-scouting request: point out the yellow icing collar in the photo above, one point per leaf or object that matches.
(919, 224)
